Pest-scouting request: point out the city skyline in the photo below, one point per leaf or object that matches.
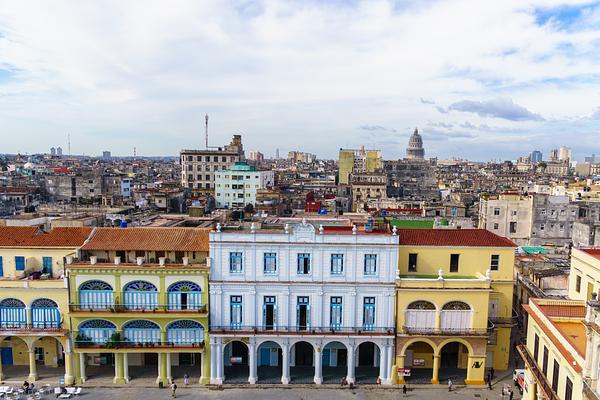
(512, 77)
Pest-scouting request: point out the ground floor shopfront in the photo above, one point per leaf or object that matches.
(238, 358)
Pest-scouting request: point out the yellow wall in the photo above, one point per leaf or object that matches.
(346, 164)
(33, 259)
(587, 268)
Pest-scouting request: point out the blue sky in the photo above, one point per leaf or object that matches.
(481, 79)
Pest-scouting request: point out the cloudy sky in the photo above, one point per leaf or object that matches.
(481, 79)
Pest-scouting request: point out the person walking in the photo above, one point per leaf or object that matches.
(449, 385)
(510, 394)
(492, 372)
(186, 379)
(489, 380)
(404, 391)
(173, 389)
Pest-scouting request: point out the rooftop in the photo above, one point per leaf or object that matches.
(149, 239)
(32, 236)
(594, 252)
(452, 237)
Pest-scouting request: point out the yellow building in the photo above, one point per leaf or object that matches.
(34, 323)
(453, 304)
(139, 301)
(584, 278)
(555, 354)
(357, 161)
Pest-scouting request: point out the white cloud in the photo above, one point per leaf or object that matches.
(276, 70)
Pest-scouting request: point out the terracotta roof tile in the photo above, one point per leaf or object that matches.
(32, 236)
(594, 252)
(452, 237)
(151, 239)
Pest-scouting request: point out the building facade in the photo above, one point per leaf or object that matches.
(358, 161)
(415, 150)
(237, 186)
(139, 300)
(303, 304)
(453, 304)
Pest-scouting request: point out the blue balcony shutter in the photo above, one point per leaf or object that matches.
(47, 265)
(20, 263)
(1, 267)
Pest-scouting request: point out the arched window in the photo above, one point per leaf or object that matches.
(140, 295)
(45, 314)
(13, 314)
(420, 316)
(185, 295)
(185, 332)
(456, 317)
(95, 331)
(141, 331)
(96, 295)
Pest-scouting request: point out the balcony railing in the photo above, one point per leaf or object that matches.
(540, 378)
(343, 330)
(588, 389)
(36, 327)
(125, 344)
(446, 331)
(140, 308)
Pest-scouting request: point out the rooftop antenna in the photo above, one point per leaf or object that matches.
(134, 152)
(69, 143)
(206, 130)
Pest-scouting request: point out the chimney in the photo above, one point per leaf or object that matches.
(139, 260)
(161, 261)
(69, 260)
(93, 260)
(117, 260)
(186, 261)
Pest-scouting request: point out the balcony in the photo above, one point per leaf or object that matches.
(24, 328)
(542, 381)
(125, 344)
(139, 308)
(295, 330)
(420, 331)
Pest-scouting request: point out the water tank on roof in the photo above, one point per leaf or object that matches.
(123, 224)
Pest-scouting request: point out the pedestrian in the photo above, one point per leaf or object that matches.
(492, 372)
(510, 394)
(403, 390)
(449, 385)
(379, 380)
(173, 389)
(186, 379)
(489, 380)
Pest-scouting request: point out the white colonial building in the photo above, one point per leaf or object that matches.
(237, 186)
(302, 304)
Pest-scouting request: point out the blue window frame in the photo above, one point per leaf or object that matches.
(369, 313)
(141, 331)
(270, 263)
(337, 264)
(235, 263)
(303, 263)
(303, 313)
(45, 314)
(20, 263)
(47, 265)
(236, 312)
(1, 267)
(185, 332)
(370, 264)
(336, 312)
(270, 313)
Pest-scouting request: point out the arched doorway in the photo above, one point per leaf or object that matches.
(302, 358)
(454, 357)
(335, 362)
(418, 357)
(368, 357)
(49, 358)
(15, 360)
(270, 362)
(235, 362)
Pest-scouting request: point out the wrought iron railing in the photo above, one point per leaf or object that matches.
(36, 326)
(343, 330)
(125, 344)
(540, 378)
(444, 331)
(144, 308)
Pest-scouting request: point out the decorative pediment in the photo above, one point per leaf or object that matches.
(304, 232)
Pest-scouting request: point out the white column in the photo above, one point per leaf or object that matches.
(390, 361)
(252, 374)
(318, 365)
(382, 363)
(82, 367)
(350, 375)
(219, 377)
(169, 377)
(353, 311)
(285, 371)
(213, 361)
(126, 367)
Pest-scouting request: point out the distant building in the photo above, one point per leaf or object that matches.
(536, 156)
(367, 186)
(299, 156)
(415, 150)
(554, 155)
(52, 151)
(198, 167)
(59, 151)
(565, 154)
(256, 155)
(237, 186)
(358, 161)
(106, 155)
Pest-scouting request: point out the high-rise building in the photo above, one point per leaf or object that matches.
(59, 151)
(52, 151)
(554, 155)
(565, 153)
(237, 186)
(106, 155)
(415, 148)
(256, 155)
(536, 156)
(358, 161)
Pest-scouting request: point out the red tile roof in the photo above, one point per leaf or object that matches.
(594, 252)
(32, 236)
(150, 239)
(452, 237)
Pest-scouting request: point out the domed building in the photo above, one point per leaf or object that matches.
(415, 150)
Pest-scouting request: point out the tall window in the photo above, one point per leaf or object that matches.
(235, 262)
(269, 313)
(494, 262)
(496, 211)
(303, 313)
(236, 312)
(454, 262)
(337, 264)
(336, 312)
(578, 284)
(513, 227)
(569, 390)
(270, 263)
(370, 264)
(303, 263)
(47, 265)
(555, 373)
(412, 262)
(20, 263)
(545, 362)
(369, 313)
(1, 267)
(536, 347)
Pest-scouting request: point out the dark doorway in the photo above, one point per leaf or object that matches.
(450, 355)
(304, 354)
(150, 358)
(366, 355)
(269, 313)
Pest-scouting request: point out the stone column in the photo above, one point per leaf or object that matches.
(318, 365)
(69, 378)
(206, 366)
(126, 367)
(213, 361)
(438, 321)
(435, 379)
(219, 364)
(82, 367)
(383, 363)
(475, 370)
(162, 368)
(1, 372)
(285, 371)
(252, 369)
(32, 367)
(119, 369)
(350, 374)
(388, 368)
(169, 377)
(399, 364)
